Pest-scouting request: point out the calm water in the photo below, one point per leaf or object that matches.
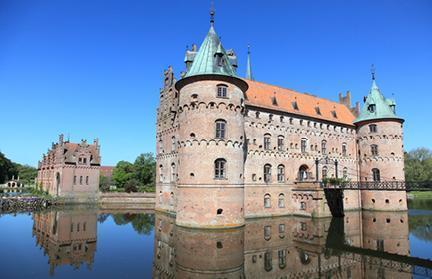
(90, 243)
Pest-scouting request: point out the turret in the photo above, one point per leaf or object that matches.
(380, 150)
(211, 137)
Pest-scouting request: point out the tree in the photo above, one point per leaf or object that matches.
(418, 165)
(131, 186)
(7, 169)
(122, 173)
(145, 169)
(104, 183)
(26, 173)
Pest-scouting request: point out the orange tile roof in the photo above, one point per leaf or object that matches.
(262, 95)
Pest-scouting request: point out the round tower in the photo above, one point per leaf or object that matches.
(211, 136)
(380, 152)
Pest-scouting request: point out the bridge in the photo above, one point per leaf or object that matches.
(336, 242)
(380, 185)
(334, 191)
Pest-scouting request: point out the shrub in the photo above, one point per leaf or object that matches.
(131, 186)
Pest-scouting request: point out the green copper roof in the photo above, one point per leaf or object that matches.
(205, 61)
(376, 106)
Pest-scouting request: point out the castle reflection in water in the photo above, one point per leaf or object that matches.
(283, 247)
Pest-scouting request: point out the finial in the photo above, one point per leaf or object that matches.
(249, 66)
(373, 71)
(212, 12)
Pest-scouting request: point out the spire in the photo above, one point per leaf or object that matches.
(248, 66)
(212, 13)
(374, 86)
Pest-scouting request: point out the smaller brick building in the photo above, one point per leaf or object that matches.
(70, 170)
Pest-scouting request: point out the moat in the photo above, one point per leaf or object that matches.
(84, 242)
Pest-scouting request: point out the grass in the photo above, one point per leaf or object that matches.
(420, 194)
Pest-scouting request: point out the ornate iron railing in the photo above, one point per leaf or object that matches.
(381, 185)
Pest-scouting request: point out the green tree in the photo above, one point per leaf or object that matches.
(104, 183)
(26, 173)
(7, 169)
(418, 165)
(122, 173)
(145, 169)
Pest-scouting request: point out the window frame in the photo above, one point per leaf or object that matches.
(220, 129)
(220, 168)
(222, 91)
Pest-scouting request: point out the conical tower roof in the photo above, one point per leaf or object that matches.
(376, 106)
(206, 60)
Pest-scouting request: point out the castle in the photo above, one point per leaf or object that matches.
(230, 148)
(70, 170)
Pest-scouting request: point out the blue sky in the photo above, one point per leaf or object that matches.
(93, 68)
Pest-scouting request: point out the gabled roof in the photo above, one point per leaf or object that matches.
(204, 60)
(382, 107)
(264, 96)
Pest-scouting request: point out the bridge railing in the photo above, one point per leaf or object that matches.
(381, 185)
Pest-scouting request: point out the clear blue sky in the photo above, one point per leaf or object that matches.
(93, 68)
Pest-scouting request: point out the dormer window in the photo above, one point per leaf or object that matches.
(221, 91)
(334, 114)
(219, 60)
(295, 105)
(274, 101)
(393, 108)
(318, 110)
(371, 108)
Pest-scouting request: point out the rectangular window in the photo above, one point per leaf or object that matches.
(74, 180)
(87, 180)
(373, 128)
(221, 91)
(220, 129)
(280, 144)
(344, 149)
(71, 227)
(84, 160)
(303, 145)
(267, 143)
(81, 180)
(374, 150)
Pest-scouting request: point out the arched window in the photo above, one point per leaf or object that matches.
(173, 143)
(281, 173)
(267, 201)
(303, 173)
(303, 145)
(374, 150)
(324, 172)
(267, 139)
(268, 265)
(344, 149)
(281, 201)
(267, 173)
(324, 147)
(282, 255)
(280, 143)
(267, 232)
(376, 175)
(173, 172)
(345, 173)
(220, 128)
(220, 168)
(221, 91)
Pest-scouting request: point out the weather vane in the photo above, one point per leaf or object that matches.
(373, 71)
(212, 12)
